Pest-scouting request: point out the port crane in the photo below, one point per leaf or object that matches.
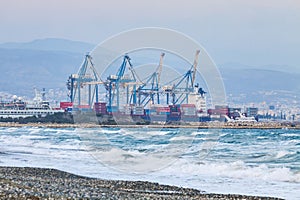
(114, 83)
(145, 93)
(186, 85)
(86, 75)
(125, 90)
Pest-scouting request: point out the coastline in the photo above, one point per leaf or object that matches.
(43, 183)
(201, 125)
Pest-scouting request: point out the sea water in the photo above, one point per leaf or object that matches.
(241, 161)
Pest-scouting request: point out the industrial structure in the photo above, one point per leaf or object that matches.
(147, 100)
(127, 94)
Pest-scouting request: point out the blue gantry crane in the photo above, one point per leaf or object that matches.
(180, 90)
(76, 82)
(150, 88)
(115, 82)
(125, 90)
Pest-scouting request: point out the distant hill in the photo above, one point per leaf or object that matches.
(44, 63)
(47, 63)
(253, 81)
(259, 79)
(51, 44)
(274, 67)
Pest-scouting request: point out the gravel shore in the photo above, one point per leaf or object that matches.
(37, 183)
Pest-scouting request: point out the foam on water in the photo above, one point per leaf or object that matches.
(181, 138)
(256, 162)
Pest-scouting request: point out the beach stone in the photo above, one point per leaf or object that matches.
(36, 183)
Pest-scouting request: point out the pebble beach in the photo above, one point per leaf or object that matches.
(38, 183)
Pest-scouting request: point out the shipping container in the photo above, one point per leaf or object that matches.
(64, 105)
(102, 111)
(220, 111)
(112, 109)
(174, 108)
(163, 113)
(83, 106)
(147, 111)
(188, 105)
(100, 107)
(188, 110)
(163, 109)
(137, 110)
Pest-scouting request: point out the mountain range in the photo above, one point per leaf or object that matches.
(47, 63)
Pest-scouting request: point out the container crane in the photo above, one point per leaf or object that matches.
(179, 92)
(86, 74)
(146, 94)
(114, 82)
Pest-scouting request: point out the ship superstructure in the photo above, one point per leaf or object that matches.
(17, 108)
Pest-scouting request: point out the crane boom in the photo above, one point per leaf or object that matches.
(195, 66)
(121, 70)
(160, 68)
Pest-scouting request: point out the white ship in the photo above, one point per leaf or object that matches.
(17, 108)
(241, 118)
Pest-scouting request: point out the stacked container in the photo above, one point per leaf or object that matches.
(100, 108)
(163, 110)
(127, 110)
(219, 110)
(188, 109)
(137, 110)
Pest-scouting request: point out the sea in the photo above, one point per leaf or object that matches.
(236, 161)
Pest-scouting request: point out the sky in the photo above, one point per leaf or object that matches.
(257, 32)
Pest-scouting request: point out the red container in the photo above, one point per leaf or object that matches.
(217, 111)
(64, 105)
(83, 106)
(163, 109)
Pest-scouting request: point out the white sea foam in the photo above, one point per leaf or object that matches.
(157, 132)
(201, 133)
(236, 169)
(181, 138)
(281, 154)
(291, 135)
(163, 163)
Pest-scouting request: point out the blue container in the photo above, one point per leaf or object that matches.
(163, 113)
(112, 109)
(147, 111)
